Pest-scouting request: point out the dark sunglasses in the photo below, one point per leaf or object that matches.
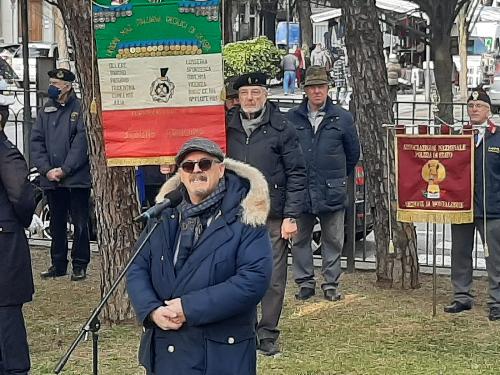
(203, 164)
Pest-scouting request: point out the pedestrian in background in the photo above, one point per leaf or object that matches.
(60, 153)
(259, 134)
(301, 68)
(230, 94)
(17, 205)
(197, 281)
(289, 64)
(331, 148)
(317, 56)
(487, 142)
(393, 75)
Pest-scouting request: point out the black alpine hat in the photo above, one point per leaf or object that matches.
(250, 79)
(62, 74)
(479, 94)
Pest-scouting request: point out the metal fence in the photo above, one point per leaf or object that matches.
(359, 248)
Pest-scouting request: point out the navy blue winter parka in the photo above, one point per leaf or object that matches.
(219, 286)
(59, 139)
(330, 154)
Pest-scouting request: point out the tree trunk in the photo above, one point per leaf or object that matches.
(228, 21)
(114, 189)
(443, 66)
(306, 29)
(269, 11)
(442, 15)
(374, 108)
(61, 39)
(463, 36)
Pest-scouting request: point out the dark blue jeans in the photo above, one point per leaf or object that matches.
(73, 202)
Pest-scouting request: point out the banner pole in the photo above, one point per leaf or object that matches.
(391, 243)
(434, 269)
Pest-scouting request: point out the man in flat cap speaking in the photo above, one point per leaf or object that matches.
(59, 151)
(259, 135)
(486, 213)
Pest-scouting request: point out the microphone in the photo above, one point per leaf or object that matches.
(172, 199)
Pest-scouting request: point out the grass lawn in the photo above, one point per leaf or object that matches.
(372, 331)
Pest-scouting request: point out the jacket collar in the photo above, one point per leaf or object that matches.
(268, 118)
(253, 206)
(51, 103)
(330, 108)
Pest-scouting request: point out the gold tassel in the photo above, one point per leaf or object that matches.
(391, 247)
(407, 216)
(486, 250)
(93, 106)
(125, 162)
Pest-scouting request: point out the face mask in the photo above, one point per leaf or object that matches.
(54, 92)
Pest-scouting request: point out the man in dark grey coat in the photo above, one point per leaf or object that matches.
(59, 151)
(259, 135)
(17, 204)
(331, 149)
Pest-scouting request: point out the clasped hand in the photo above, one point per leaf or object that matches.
(169, 317)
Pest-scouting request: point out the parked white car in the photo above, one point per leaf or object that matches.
(36, 50)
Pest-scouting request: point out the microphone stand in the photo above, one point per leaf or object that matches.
(93, 324)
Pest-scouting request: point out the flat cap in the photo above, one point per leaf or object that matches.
(479, 94)
(199, 144)
(250, 79)
(62, 74)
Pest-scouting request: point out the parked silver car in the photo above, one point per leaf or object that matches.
(495, 94)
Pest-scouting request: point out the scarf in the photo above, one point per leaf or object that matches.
(249, 125)
(193, 220)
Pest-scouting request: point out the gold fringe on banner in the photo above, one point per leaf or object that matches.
(134, 162)
(448, 217)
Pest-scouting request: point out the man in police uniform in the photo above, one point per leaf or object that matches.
(59, 151)
(17, 204)
(487, 136)
(258, 134)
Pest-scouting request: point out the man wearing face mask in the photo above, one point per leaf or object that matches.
(59, 150)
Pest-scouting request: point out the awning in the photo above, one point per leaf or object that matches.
(398, 6)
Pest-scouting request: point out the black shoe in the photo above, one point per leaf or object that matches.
(268, 347)
(78, 274)
(305, 293)
(52, 272)
(457, 307)
(332, 295)
(494, 313)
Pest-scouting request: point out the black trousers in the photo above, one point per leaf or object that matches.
(14, 352)
(73, 202)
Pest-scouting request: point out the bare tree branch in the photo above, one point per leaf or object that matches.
(459, 6)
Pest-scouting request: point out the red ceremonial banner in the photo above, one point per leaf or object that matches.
(435, 178)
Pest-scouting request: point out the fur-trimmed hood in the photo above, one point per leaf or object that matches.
(255, 206)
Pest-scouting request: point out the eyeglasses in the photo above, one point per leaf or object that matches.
(203, 164)
(476, 105)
